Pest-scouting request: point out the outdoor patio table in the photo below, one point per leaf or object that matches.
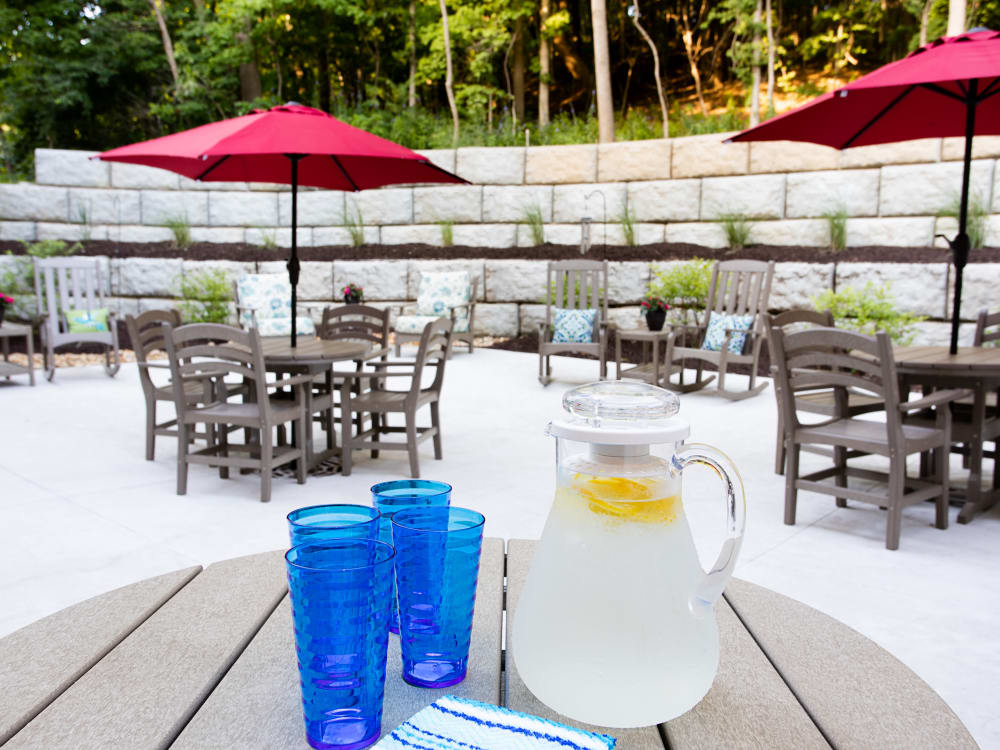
(206, 659)
(651, 369)
(8, 368)
(973, 367)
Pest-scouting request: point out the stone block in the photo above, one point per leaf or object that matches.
(927, 189)
(149, 277)
(70, 232)
(56, 166)
(948, 226)
(122, 306)
(512, 203)
(614, 234)
(706, 234)
(983, 147)
(316, 208)
(627, 317)
(531, 316)
(485, 235)
(633, 160)
(17, 230)
(219, 235)
(425, 234)
(278, 236)
(23, 201)
(341, 237)
(186, 184)
(707, 155)
(665, 200)
(380, 207)
(904, 152)
(515, 280)
(570, 203)
(491, 166)
(550, 165)
(139, 233)
(441, 157)
(795, 284)
(381, 279)
(896, 232)
(819, 193)
(992, 230)
(496, 319)
(475, 269)
(268, 187)
(162, 206)
(791, 156)
(97, 206)
(234, 209)
(808, 232)
(980, 282)
(932, 333)
(157, 303)
(139, 177)
(525, 238)
(452, 203)
(916, 288)
(758, 197)
(557, 234)
(627, 282)
(315, 279)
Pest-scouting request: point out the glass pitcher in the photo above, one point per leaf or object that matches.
(615, 625)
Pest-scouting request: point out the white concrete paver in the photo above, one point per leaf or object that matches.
(82, 512)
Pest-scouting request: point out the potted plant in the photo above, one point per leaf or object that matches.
(353, 294)
(5, 301)
(655, 309)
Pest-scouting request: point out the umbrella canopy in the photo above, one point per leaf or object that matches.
(945, 88)
(290, 144)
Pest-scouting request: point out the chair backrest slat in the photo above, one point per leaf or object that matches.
(985, 321)
(146, 331)
(434, 350)
(355, 323)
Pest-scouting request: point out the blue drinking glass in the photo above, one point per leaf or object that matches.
(400, 494)
(437, 566)
(340, 591)
(342, 521)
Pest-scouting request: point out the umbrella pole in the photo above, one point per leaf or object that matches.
(960, 245)
(293, 262)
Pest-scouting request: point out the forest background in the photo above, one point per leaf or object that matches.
(437, 73)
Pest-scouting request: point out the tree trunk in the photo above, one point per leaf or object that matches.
(448, 81)
(249, 72)
(770, 58)
(602, 72)
(956, 17)
(544, 64)
(518, 69)
(755, 68)
(168, 46)
(656, 69)
(925, 17)
(411, 43)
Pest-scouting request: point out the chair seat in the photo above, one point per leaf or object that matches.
(870, 437)
(416, 323)
(380, 401)
(823, 402)
(242, 414)
(194, 391)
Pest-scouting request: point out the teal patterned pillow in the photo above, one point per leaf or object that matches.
(574, 326)
(716, 332)
(87, 321)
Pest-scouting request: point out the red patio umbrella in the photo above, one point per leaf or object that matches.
(291, 144)
(945, 88)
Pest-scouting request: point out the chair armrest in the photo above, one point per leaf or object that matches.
(158, 365)
(392, 363)
(374, 353)
(294, 380)
(938, 398)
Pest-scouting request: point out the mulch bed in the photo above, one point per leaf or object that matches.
(661, 251)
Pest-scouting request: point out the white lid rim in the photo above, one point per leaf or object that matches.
(668, 431)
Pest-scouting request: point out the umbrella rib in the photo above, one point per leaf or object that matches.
(343, 171)
(877, 117)
(432, 165)
(943, 91)
(990, 90)
(207, 171)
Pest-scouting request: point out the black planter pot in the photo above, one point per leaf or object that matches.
(3, 309)
(352, 299)
(655, 318)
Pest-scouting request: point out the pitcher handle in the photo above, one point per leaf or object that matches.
(715, 580)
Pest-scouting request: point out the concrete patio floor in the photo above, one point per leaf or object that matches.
(82, 512)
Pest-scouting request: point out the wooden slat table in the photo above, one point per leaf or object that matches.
(207, 660)
(8, 368)
(651, 369)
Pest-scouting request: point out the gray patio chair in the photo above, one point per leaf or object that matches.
(574, 287)
(206, 353)
(737, 297)
(379, 401)
(70, 298)
(815, 400)
(829, 357)
(449, 294)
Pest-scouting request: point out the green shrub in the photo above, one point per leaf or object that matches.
(205, 297)
(975, 225)
(682, 284)
(737, 229)
(533, 218)
(868, 310)
(627, 220)
(837, 221)
(181, 229)
(447, 233)
(355, 225)
(19, 281)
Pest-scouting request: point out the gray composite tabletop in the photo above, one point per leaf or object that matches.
(205, 659)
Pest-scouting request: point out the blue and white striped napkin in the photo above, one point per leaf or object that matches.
(451, 723)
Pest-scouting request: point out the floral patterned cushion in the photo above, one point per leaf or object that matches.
(270, 296)
(573, 326)
(441, 291)
(715, 334)
(304, 326)
(416, 323)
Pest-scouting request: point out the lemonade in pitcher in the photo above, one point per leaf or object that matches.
(615, 625)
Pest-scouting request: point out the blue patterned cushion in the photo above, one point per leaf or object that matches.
(574, 326)
(441, 291)
(417, 323)
(715, 334)
(87, 321)
(268, 294)
(304, 326)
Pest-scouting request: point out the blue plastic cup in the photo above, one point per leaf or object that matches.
(437, 566)
(401, 494)
(340, 591)
(342, 521)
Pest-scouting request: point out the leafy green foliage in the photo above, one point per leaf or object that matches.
(627, 220)
(181, 229)
(533, 217)
(205, 297)
(867, 310)
(447, 233)
(681, 284)
(837, 222)
(737, 228)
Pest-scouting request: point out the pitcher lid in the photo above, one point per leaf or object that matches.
(620, 413)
